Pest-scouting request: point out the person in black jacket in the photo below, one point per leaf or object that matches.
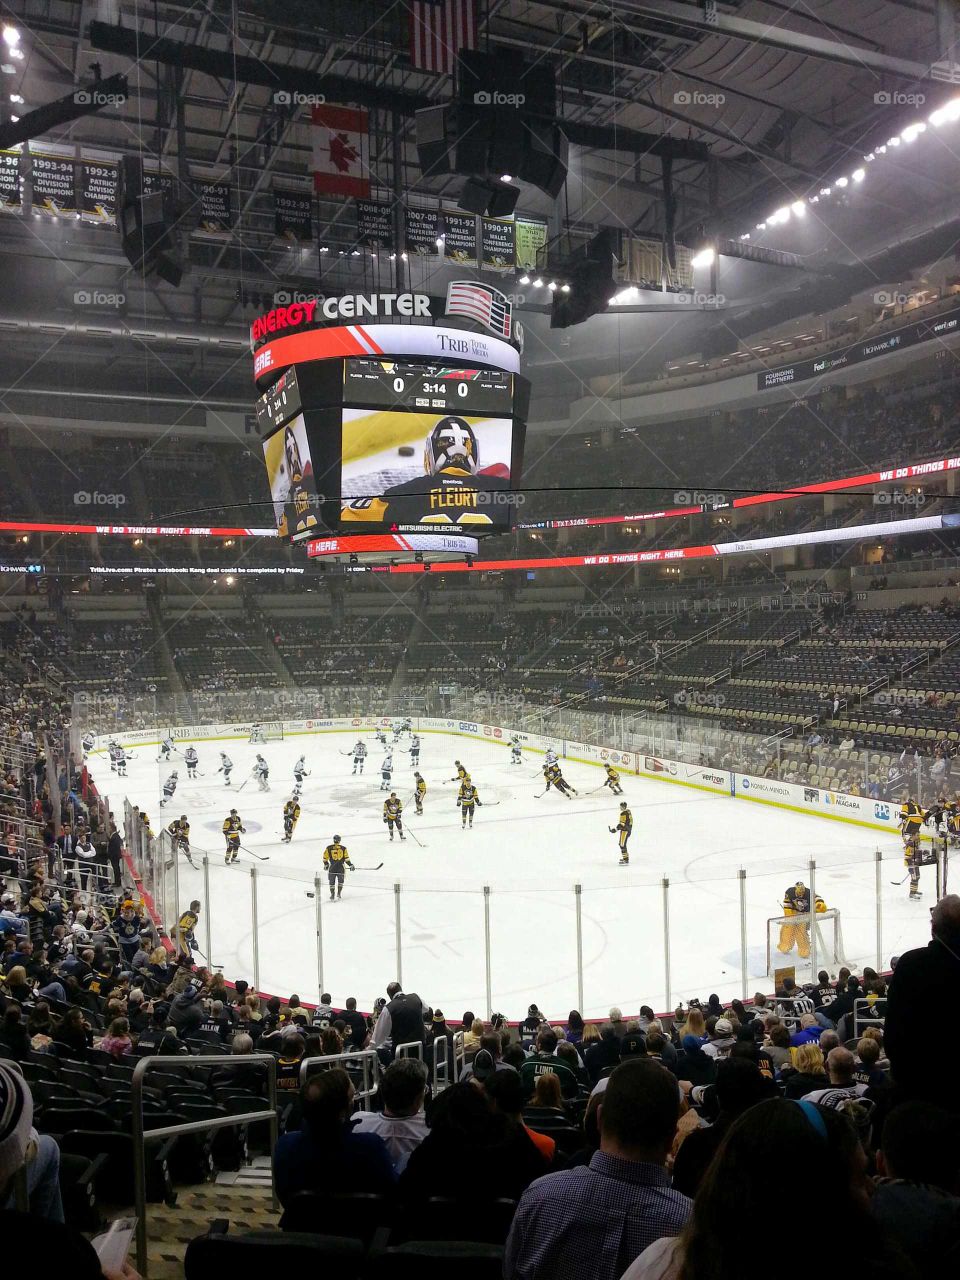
(922, 982)
(739, 1086)
(693, 1064)
(115, 855)
(600, 1059)
(471, 1152)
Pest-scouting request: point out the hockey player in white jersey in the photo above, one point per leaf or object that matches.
(112, 748)
(88, 741)
(166, 746)
(256, 732)
(381, 737)
(261, 771)
(407, 725)
(415, 751)
(169, 787)
(300, 771)
(386, 771)
(226, 766)
(551, 757)
(516, 750)
(397, 728)
(121, 761)
(359, 755)
(191, 760)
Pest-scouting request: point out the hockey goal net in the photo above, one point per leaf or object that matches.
(269, 731)
(791, 939)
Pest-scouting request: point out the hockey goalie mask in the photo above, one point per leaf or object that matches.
(451, 445)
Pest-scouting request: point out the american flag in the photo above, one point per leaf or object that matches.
(439, 29)
(480, 302)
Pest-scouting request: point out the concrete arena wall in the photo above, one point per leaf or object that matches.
(877, 815)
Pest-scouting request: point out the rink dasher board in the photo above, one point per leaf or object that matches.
(876, 815)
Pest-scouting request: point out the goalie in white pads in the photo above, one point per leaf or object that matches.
(261, 771)
(256, 733)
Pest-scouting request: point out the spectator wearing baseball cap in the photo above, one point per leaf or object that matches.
(487, 1059)
(21, 1146)
(721, 1039)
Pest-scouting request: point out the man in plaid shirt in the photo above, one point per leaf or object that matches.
(591, 1222)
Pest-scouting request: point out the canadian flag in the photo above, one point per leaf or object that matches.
(340, 161)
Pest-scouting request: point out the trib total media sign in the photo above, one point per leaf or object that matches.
(347, 306)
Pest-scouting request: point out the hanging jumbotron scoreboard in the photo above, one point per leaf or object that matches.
(397, 423)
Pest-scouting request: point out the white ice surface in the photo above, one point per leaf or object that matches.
(531, 852)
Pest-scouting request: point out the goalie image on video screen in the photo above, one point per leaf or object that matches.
(290, 473)
(425, 468)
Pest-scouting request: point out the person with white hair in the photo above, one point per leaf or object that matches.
(617, 1022)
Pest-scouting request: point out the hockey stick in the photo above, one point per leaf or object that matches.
(416, 838)
(898, 883)
(261, 857)
(356, 868)
(242, 785)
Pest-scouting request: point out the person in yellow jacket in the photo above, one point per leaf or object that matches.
(622, 831)
(185, 926)
(613, 780)
(796, 902)
(420, 790)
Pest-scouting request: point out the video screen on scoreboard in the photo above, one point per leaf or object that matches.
(404, 384)
(425, 469)
(290, 474)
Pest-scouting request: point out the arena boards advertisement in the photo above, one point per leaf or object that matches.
(425, 468)
(290, 474)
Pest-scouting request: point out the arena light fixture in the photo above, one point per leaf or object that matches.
(538, 283)
(912, 132)
(704, 258)
(11, 36)
(16, 97)
(524, 279)
(552, 286)
(799, 208)
(761, 226)
(843, 182)
(946, 114)
(564, 288)
(506, 177)
(858, 175)
(893, 142)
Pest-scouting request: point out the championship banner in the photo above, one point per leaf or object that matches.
(11, 191)
(644, 262)
(497, 245)
(292, 216)
(158, 180)
(460, 238)
(421, 231)
(216, 208)
(53, 185)
(681, 276)
(98, 193)
(530, 237)
(375, 224)
(340, 160)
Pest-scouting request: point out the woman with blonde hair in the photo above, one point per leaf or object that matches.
(695, 1025)
(591, 1035)
(471, 1038)
(810, 1072)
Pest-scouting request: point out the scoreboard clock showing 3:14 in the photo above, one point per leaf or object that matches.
(388, 384)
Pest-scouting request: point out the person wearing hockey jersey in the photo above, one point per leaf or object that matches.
(261, 771)
(467, 798)
(516, 750)
(88, 742)
(169, 787)
(461, 772)
(613, 780)
(419, 791)
(179, 830)
(300, 771)
(121, 761)
(397, 729)
(796, 902)
(623, 830)
(415, 751)
(291, 816)
(256, 732)
(386, 771)
(335, 861)
(449, 490)
(191, 760)
(127, 928)
(226, 767)
(392, 809)
(911, 820)
(112, 753)
(184, 933)
(233, 828)
(551, 756)
(166, 746)
(555, 778)
(407, 726)
(381, 737)
(359, 755)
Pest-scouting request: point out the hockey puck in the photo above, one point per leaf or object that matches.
(406, 451)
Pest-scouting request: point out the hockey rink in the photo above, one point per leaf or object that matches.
(530, 852)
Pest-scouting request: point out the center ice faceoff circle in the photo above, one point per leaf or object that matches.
(528, 848)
